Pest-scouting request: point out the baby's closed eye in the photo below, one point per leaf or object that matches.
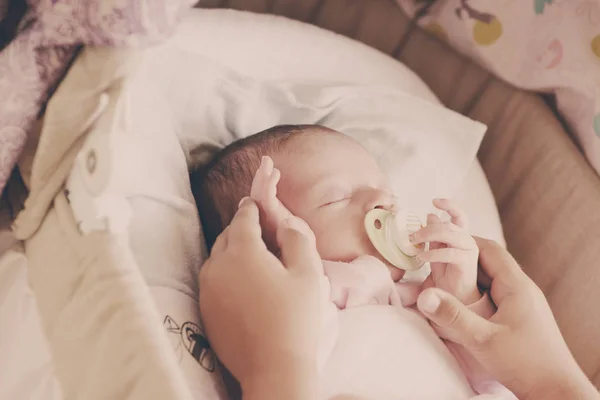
(335, 197)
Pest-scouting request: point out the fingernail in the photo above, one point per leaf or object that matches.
(430, 302)
(242, 201)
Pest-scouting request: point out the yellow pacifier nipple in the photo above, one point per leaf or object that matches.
(390, 232)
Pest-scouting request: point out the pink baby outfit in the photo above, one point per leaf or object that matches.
(384, 349)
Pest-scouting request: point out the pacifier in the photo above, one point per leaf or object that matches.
(389, 232)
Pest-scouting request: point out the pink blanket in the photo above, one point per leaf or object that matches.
(542, 45)
(47, 41)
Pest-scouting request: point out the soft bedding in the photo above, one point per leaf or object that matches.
(49, 39)
(123, 282)
(542, 45)
(330, 60)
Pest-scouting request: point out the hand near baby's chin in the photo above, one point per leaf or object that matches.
(453, 254)
(264, 193)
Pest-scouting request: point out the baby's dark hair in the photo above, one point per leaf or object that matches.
(219, 187)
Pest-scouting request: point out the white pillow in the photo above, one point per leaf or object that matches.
(424, 148)
(281, 50)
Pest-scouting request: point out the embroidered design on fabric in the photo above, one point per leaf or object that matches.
(193, 340)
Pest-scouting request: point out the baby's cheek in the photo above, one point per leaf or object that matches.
(323, 238)
(338, 245)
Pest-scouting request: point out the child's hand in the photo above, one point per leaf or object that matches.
(264, 193)
(453, 253)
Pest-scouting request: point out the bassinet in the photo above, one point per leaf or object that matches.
(544, 189)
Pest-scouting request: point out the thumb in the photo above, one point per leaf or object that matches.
(453, 320)
(298, 246)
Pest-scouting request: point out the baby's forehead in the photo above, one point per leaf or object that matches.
(324, 144)
(316, 157)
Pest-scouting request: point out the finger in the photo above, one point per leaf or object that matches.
(436, 245)
(259, 183)
(498, 265)
(448, 255)
(221, 243)
(433, 219)
(495, 261)
(483, 279)
(273, 180)
(208, 271)
(277, 211)
(454, 320)
(205, 274)
(298, 246)
(457, 216)
(448, 234)
(268, 164)
(245, 225)
(428, 282)
(270, 191)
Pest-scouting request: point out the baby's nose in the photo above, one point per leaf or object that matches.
(379, 198)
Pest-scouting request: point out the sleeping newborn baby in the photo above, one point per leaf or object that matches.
(377, 345)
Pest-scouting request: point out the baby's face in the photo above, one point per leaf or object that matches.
(331, 182)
